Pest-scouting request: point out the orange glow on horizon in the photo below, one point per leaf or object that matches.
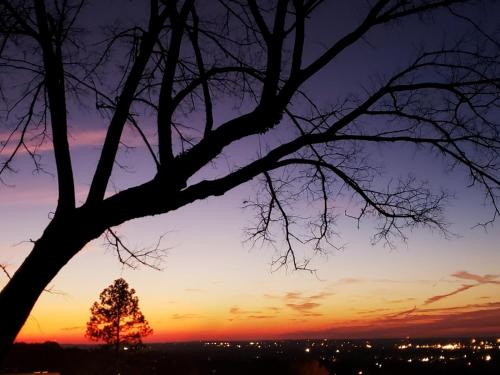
(481, 322)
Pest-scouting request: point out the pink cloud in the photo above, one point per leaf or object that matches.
(438, 310)
(486, 279)
(303, 307)
(479, 322)
(403, 313)
(373, 311)
(183, 316)
(75, 328)
(94, 137)
(402, 300)
(462, 307)
(292, 296)
(300, 302)
(463, 288)
(274, 308)
(322, 295)
(235, 310)
(350, 280)
(77, 138)
(464, 275)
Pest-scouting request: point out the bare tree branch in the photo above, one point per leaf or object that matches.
(150, 257)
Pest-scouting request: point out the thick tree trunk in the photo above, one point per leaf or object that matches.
(59, 243)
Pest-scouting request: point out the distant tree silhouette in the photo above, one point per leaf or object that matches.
(116, 319)
(174, 76)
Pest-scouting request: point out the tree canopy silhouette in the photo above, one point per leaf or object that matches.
(116, 319)
(171, 72)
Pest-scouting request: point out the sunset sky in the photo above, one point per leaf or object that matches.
(215, 285)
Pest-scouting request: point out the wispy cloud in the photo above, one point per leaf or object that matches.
(405, 313)
(261, 316)
(292, 296)
(274, 309)
(486, 279)
(403, 300)
(78, 137)
(70, 329)
(436, 311)
(238, 313)
(470, 306)
(464, 275)
(235, 310)
(439, 297)
(301, 303)
(183, 316)
(320, 296)
(39, 144)
(303, 307)
(372, 311)
(447, 323)
(350, 280)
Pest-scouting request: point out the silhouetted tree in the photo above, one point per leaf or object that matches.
(172, 77)
(116, 319)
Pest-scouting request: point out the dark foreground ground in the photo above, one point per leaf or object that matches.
(297, 357)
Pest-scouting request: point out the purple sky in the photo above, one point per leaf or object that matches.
(214, 284)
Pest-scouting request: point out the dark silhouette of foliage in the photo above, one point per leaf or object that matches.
(170, 77)
(116, 319)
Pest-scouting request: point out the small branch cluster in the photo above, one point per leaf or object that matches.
(151, 257)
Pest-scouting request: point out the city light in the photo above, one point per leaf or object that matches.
(335, 354)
